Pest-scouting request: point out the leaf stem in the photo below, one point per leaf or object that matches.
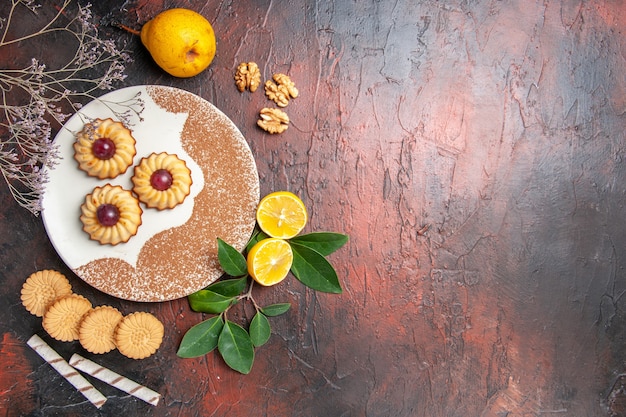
(248, 296)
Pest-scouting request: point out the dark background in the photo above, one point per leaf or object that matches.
(473, 151)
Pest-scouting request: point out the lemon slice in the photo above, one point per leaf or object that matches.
(281, 214)
(269, 261)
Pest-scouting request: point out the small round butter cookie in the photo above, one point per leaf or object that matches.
(111, 214)
(139, 335)
(97, 329)
(63, 318)
(42, 288)
(104, 148)
(161, 181)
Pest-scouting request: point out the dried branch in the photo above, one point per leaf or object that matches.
(36, 98)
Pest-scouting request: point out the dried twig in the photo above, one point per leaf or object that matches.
(35, 97)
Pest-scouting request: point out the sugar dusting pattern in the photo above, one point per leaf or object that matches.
(183, 259)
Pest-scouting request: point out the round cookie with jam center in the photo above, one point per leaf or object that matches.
(111, 214)
(104, 148)
(162, 181)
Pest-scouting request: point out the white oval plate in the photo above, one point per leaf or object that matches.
(174, 252)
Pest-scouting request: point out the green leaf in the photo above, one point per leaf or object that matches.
(273, 310)
(206, 301)
(258, 236)
(313, 270)
(201, 338)
(323, 242)
(236, 348)
(229, 287)
(231, 260)
(259, 329)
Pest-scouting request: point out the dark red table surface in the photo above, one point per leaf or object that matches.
(474, 153)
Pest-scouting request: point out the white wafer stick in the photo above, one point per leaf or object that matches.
(62, 367)
(112, 378)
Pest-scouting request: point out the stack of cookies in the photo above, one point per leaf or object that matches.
(68, 316)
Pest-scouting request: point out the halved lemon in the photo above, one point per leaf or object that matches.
(269, 261)
(281, 214)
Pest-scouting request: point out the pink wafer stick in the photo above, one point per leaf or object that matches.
(112, 378)
(62, 367)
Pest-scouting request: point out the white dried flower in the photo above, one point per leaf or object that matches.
(26, 125)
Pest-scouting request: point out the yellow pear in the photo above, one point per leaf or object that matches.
(181, 41)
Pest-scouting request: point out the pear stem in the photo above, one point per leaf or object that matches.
(128, 29)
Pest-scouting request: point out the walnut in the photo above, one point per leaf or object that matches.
(273, 120)
(248, 76)
(282, 79)
(282, 91)
(277, 93)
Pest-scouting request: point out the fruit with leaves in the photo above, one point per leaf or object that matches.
(269, 260)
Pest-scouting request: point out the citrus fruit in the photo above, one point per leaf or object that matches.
(281, 214)
(269, 261)
(181, 41)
